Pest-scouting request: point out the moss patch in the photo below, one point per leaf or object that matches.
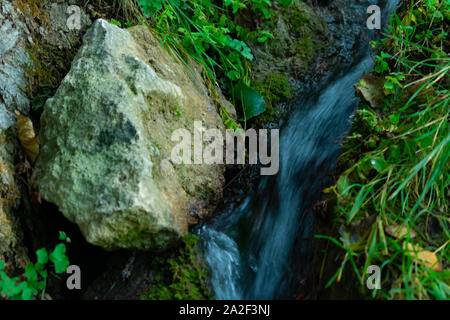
(183, 276)
(300, 35)
(50, 63)
(275, 89)
(309, 29)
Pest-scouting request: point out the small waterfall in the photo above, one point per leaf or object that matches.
(249, 249)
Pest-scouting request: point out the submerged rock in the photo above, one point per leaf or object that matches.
(106, 142)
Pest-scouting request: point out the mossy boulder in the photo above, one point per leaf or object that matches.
(275, 89)
(106, 143)
(299, 35)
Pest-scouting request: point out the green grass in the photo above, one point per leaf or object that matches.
(390, 203)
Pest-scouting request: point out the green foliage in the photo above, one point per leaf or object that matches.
(35, 276)
(202, 29)
(284, 3)
(183, 277)
(251, 101)
(263, 36)
(395, 165)
(115, 22)
(206, 31)
(275, 89)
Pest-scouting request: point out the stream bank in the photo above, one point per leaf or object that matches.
(385, 157)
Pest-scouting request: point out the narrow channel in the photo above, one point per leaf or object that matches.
(259, 249)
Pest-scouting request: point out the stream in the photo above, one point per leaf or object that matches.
(259, 249)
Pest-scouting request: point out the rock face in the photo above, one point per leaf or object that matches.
(13, 63)
(310, 40)
(300, 36)
(28, 29)
(106, 142)
(14, 60)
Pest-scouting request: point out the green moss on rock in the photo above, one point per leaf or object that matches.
(275, 89)
(300, 35)
(183, 276)
(309, 28)
(53, 46)
(304, 48)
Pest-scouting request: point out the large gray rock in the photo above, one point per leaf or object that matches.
(106, 140)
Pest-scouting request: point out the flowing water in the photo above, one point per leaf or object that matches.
(255, 251)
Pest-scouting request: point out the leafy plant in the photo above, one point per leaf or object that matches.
(33, 282)
(252, 102)
(264, 35)
(394, 181)
(183, 276)
(115, 22)
(205, 30)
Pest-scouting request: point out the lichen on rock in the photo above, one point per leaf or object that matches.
(106, 141)
(13, 63)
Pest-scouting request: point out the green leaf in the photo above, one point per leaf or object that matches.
(389, 87)
(59, 258)
(27, 294)
(116, 23)
(284, 3)
(43, 273)
(233, 75)
(358, 203)
(363, 169)
(30, 272)
(252, 102)
(64, 237)
(378, 163)
(42, 256)
(342, 184)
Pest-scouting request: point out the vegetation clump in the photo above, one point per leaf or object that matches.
(217, 36)
(309, 29)
(32, 283)
(183, 276)
(390, 203)
(275, 89)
